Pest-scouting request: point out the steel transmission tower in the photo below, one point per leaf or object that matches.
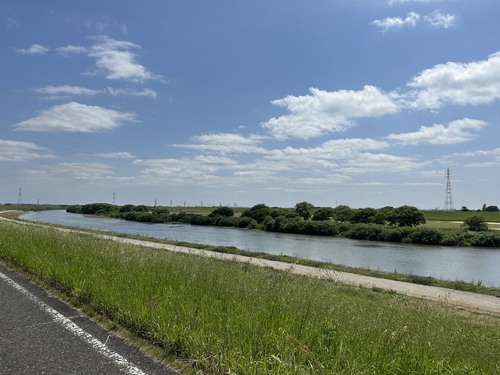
(448, 201)
(19, 197)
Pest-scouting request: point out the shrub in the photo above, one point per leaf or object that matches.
(370, 232)
(246, 222)
(425, 236)
(476, 223)
(222, 211)
(486, 240)
(98, 209)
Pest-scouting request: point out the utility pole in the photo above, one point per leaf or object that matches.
(448, 201)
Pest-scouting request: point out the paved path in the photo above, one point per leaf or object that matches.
(40, 334)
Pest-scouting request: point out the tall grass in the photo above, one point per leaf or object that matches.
(229, 317)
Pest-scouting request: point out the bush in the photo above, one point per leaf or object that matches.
(486, 240)
(98, 209)
(395, 234)
(246, 222)
(222, 211)
(370, 232)
(476, 223)
(425, 236)
(224, 221)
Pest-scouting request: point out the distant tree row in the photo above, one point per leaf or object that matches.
(485, 208)
(401, 224)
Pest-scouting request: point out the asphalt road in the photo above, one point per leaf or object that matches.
(39, 334)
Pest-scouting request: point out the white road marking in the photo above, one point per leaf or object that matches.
(96, 344)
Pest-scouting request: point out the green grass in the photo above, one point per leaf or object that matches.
(31, 207)
(416, 279)
(228, 317)
(460, 215)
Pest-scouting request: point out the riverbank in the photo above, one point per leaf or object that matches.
(229, 316)
(359, 257)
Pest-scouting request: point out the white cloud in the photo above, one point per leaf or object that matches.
(21, 151)
(179, 171)
(80, 171)
(71, 50)
(35, 49)
(325, 112)
(114, 59)
(225, 143)
(367, 163)
(457, 83)
(66, 90)
(438, 134)
(116, 155)
(55, 92)
(144, 92)
(393, 23)
(438, 19)
(75, 117)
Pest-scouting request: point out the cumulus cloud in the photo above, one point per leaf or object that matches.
(394, 23)
(114, 59)
(35, 49)
(324, 112)
(21, 151)
(75, 117)
(438, 134)
(457, 83)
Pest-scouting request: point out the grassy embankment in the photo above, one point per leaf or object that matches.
(454, 219)
(416, 279)
(232, 317)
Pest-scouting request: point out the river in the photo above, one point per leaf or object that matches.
(447, 263)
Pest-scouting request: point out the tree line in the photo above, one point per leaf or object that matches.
(402, 224)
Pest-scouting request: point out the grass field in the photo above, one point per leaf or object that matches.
(460, 215)
(234, 318)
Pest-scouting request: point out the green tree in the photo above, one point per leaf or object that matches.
(222, 211)
(303, 209)
(491, 209)
(406, 216)
(343, 213)
(323, 214)
(257, 212)
(368, 215)
(476, 223)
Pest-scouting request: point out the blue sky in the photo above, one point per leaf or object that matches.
(363, 103)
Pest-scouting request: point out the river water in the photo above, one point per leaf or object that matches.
(447, 263)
